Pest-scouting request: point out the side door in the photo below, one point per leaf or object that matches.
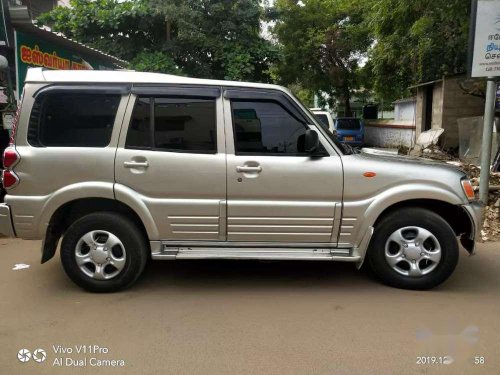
(275, 191)
(171, 155)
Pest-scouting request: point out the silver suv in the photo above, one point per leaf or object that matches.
(127, 166)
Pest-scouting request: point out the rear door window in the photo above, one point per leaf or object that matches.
(139, 134)
(173, 124)
(72, 119)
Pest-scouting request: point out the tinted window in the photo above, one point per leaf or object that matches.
(348, 124)
(184, 124)
(323, 119)
(139, 135)
(265, 127)
(72, 120)
(179, 124)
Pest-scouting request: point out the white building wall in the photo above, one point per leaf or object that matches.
(404, 111)
(389, 134)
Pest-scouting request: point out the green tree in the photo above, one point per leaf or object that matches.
(121, 28)
(156, 62)
(218, 38)
(416, 41)
(322, 42)
(306, 96)
(210, 39)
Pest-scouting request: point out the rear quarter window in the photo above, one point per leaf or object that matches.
(72, 119)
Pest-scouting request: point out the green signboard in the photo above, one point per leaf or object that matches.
(32, 51)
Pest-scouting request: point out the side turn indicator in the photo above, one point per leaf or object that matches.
(369, 174)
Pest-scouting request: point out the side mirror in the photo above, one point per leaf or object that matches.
(311, 141)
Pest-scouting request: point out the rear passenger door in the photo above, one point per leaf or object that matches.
(172, 156)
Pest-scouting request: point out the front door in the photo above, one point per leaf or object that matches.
(172, 157)
(275, 191)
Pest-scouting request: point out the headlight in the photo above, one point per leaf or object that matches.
(468, 189)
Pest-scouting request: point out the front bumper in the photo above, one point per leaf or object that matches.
(475, 212)
(6, 227)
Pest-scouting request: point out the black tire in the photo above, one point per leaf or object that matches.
(134, 243)
(408, 217)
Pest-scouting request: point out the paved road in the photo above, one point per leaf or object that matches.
(224, 317)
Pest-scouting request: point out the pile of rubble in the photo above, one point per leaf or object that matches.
(491, 225)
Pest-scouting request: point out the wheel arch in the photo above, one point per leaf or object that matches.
(454, 214)
(69, 212)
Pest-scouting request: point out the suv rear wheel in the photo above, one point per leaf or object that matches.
(413, 248)
(103, 252)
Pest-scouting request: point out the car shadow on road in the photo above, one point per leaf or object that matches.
(220, 274)
(471, 275)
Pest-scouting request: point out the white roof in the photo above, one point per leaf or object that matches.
(37, 75)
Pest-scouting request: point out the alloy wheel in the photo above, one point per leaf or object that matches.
(100, 255)
(412, 251)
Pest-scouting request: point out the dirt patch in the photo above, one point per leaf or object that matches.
(491, 225)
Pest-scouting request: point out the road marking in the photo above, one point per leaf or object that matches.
(20, 266)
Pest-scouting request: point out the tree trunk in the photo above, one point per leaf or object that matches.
(168, 29)
(347, 103)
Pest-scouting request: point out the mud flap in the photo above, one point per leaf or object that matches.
(49, 244)
(468, 243)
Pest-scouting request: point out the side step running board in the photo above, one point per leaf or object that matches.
(174, 252)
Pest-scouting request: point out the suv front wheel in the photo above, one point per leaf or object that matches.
(103, 252)
(413, 248)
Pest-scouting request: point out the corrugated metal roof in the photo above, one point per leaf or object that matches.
(446, 76)
(405, 100)
(425, 84)
(47, 33)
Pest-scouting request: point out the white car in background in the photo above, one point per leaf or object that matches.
(324, 117)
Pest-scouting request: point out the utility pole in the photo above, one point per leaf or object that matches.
(483, 40)
(489, 118)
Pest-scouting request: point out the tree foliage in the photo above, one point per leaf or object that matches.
(156, 62)
(122, 29)
(210, 38)
(416, 41)
(218, 38)
(319, 44)
(322, 43)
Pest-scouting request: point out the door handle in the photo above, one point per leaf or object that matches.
(136, 164)
(245, 169)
